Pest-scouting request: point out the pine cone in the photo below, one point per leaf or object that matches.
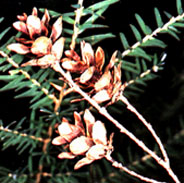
(45, 49)
(92, 144)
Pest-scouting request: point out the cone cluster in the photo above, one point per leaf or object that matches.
(45, 45)
(105, 84)
(91, 143)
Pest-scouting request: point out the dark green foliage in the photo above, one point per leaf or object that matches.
(136, 33)
(124, 41)
(158, 18)
(145, 29)
(179, 7)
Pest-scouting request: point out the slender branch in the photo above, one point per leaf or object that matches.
(122, 129)
(44, 150)
(130, 172)
(147, 125)
(155, 68)
(78, 14)
(44, 174)
(154, 33)
(21, 134)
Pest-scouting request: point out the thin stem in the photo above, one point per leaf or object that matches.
(21, 134)
(147, 125)
(78, 14)
(122, 129)
(44, 150)
(130, 172)
(155, 68)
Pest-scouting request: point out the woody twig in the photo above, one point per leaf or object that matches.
(130, 172)
(78, 14)
(148, 126)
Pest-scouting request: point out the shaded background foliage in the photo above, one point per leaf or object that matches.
(161, 101)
